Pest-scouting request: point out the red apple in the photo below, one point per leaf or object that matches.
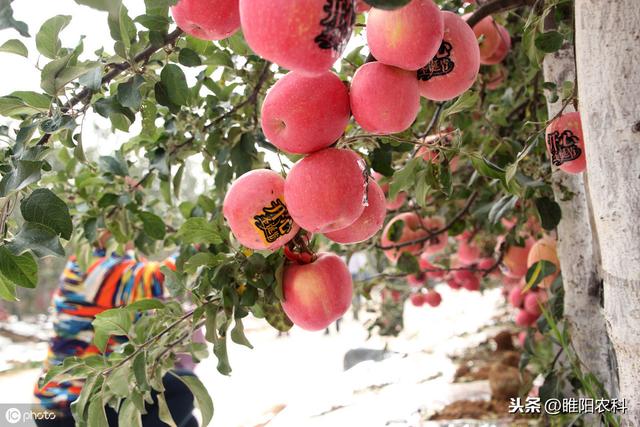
(416, 280)
(400, 198)
(302, 35)
(516, 297)
(532, 302)
(256, 211)
(545, 249)
(514, 262)
(565, 143)
(302, 114)
(417, 300)
(425, 264)
(384, 99)
(503, 48)
(467, 280)
(325, 190)
(487, 28)
(524, 318)
(453, 283)
(412, 230)
(433, 298)
(496, 78)
(370, 221)
(468, 252)
(362, 6)
(207, 19)
(438, 242)
(407, 37)
(317, 294)
(455, 66)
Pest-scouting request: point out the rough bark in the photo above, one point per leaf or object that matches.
(608, 60)
(576, 248)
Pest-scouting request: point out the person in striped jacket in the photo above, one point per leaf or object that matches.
(111, 281)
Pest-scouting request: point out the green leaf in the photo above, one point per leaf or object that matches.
(404, 178)
(92, 79)
(189, 58)
(127, 27)
(387, 4)
(175, 82)
(114, 165)
(551, 388)
(154, 226)
(153, 22)
(44, 207)
(97, 415)
(103, 5)
(113, 322)
(145, 305)
(26, 173)
(163, 411)
(12, 106)
(198, 231)
(118, 381)
(537, 272)
(381, 159)
(40, 239)
(7, 20)
(15, 46)
(60, 72)
(486, 168)
(7, 289)
(501, 207)
(408, 263)
(464, 102)
(203, 399)
(395, 230)
(203, 258)
(79, 407)
(549, 41)
(48, 38)
(549, 211)
(238, 336)
(36, 100)
(129, 93)
(129, 415)
(177, 181)
(21, 270)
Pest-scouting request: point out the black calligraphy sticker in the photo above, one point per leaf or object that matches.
(337, 24)
(440, 65)
(274, 221)
(563, 147)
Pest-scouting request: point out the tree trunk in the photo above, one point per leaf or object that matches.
(608, 59)
(577, 249)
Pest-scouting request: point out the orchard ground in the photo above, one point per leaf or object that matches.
(301, 377)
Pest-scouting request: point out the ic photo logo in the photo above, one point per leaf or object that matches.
(13, 415)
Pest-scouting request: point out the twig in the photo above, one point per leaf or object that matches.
(433, 234)
(154, 339)
(472, 268)
(495, 6)
(264, 74)
(117, 69)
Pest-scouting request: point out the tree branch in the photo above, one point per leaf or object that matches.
(433, 234)
(495, 6)
(117, 69)
(472, 268)
(253, 97)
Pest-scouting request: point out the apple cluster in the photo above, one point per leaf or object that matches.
(419, 51)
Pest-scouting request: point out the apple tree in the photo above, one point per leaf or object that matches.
(444, 152)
